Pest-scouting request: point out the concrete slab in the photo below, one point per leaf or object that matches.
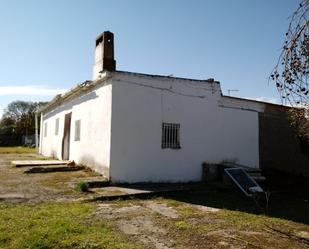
(96, 181)
(55, 168)
(27, 163)
(120, 190)
(143, 191)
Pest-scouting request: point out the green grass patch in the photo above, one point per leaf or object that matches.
(66, 225)
(189, 211)
(169, 202)
(17, 150)
(82, 187)
(183, 225)
(242, 220)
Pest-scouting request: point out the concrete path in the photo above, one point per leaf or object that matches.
(143, 191)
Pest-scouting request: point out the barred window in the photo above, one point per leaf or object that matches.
(170, 136)
(57, 127)
(77, 130)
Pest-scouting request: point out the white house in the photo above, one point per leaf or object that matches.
(134, 127)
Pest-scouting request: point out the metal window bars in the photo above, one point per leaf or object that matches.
(170, 136)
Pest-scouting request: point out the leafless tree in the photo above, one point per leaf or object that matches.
(292, 70)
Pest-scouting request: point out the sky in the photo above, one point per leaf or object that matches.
(47, 46)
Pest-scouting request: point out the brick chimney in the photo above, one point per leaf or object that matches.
(104, 54)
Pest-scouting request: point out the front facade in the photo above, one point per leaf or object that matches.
(134, 127)
(90, 142)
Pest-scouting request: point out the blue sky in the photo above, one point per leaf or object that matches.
(47, 47)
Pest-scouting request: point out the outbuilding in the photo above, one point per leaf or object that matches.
(134, 127)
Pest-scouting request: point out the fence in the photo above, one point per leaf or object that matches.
(17, 140)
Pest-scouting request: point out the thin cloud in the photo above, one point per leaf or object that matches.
(30, 90)
(266, 99)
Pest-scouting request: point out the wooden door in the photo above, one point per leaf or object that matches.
(66, 137)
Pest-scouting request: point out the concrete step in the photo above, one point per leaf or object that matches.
(98, 183)
(259, 178)
(252, 170)
(244, 167)
(49, 169)
(31, 163)
(254, 174)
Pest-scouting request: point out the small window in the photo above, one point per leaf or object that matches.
(45, 129)
(57, 127)
(77, 130)
(170, 136)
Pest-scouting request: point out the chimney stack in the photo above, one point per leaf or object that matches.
(104, 54)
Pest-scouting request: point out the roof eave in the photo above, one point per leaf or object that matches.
(74, 92)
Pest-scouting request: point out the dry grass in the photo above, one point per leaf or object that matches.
(196, 228)
(16, 150)
(45, 214)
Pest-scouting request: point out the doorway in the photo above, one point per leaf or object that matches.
(66, 137)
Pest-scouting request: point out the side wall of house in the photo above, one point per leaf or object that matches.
(280, 148)
(94, 112)
(208, 132)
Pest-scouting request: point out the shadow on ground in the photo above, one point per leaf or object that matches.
(285, 202)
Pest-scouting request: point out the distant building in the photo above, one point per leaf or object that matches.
(134, 127)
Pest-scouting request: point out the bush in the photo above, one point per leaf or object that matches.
(82, 187)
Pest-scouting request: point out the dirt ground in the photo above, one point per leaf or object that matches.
(163, 224)
(17, 187)
(145, 221)
(159, 222)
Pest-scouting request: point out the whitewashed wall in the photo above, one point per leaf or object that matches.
(94, 111)
(208, 132)
(121, 126)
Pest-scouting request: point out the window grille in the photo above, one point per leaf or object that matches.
(77, 130)
(57, 127)
(170, 136)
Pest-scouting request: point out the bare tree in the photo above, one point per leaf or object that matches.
(292, 70)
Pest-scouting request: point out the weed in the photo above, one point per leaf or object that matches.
(169, 202)
(182, 224)
(82, 186)
(189, 211)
